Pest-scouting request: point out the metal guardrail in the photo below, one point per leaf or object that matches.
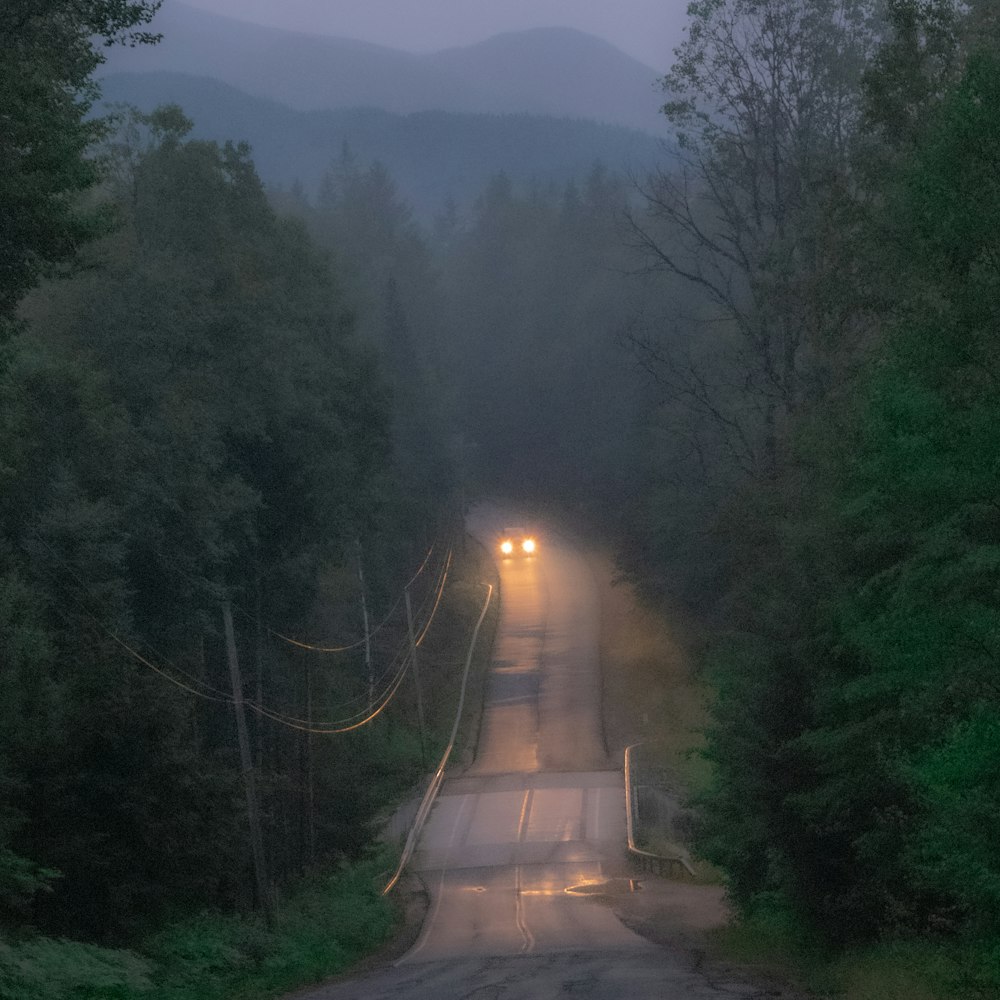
(658, 863)
(432, 790)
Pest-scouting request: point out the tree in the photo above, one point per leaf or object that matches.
(201, 423)
(854, 739)
(919, 615)
(48, 54)
(764, 99)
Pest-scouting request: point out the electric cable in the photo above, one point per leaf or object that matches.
(437, 602)
(423, 566)
(306, 727)
(315, 647)
(355, 722)
(428, 597)
(215, 693)
(339, 726)
(218, 696)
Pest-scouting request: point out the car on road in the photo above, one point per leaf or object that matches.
(516, 541)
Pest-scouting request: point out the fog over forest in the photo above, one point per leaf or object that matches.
(277, 309)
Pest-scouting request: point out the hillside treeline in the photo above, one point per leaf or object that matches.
(824, 487)
(189, 422)
(501, 327)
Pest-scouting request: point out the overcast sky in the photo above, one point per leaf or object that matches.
(646, 29)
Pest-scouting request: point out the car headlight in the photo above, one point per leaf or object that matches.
(528, 545)
(506, 546)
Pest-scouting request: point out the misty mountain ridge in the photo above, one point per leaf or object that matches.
(553, 71)
(432, 155)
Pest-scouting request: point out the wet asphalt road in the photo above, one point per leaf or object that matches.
(513, 845)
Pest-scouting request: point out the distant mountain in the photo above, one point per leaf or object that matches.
(564, 71)
(432, 155)
(557, 71)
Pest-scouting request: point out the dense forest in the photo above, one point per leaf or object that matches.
(195, 441)
(826, 489)
(846, 238)
(766, 371)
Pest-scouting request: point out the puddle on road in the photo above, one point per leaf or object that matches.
(609, 887)
(604, 887)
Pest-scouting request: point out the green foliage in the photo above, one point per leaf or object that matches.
(44, 969)
(198, 417)
(48, 51)
(957, 849)
(912, 68)
(327, 923)
(861, 720)
(771, 939)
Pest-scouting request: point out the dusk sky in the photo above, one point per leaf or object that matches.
(646, 29)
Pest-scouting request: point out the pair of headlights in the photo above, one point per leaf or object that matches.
(527, 545)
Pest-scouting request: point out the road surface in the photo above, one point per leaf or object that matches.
(517, 848)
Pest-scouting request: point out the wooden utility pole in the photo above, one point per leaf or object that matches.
(416, 679)
(368, 638)
(253, 814)
(310, 777)
(259, 656)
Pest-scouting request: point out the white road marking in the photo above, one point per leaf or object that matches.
(522, 925)
(429, 926)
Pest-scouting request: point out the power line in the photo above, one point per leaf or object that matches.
(423, 566)
(215, 695)
(219, 697)
(358, 720)
(317, 648)
(339, 726)
(440, 593)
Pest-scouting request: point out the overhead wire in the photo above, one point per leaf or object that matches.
(360, 719)
(363, 696)
(331, 727)
(440, 594)
(430, 596)
(389, 677)
(214, 695)
(345, 725)
(423, 566)
(305, 726)
(323, 649)
(219, 697)
(316, 647)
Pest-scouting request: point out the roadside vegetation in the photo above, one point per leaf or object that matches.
(822, 493)
(194, 425)
(324, 925)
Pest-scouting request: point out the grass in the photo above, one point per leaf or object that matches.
(651, 690)
(325, 925)
(916, 969)
(324, 928)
